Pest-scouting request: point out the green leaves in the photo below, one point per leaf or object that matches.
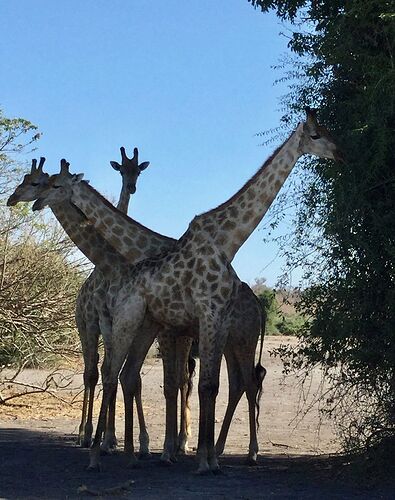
(344, 227)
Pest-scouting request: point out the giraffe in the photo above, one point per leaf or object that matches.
(90, 298)
(244, 324)
(130, 169)
(89, 302)
(192, 284)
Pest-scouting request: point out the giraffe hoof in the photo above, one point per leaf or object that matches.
(94, 468)
(85, 443)
(108, 446)
(218, 472)
(134, 464)
(106, 451)
(219, 451)
(144, 455)
(251, 462)
(201, 472)
(166, 462)
(183, 451)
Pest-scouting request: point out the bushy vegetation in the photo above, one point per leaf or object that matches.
(39, 278)
(281, 316)
(342, 62)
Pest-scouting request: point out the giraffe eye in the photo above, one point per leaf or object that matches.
(316, 136)
(56, 187)
(35, 184)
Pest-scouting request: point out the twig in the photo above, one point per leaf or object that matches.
(35, 390)
(115, 490)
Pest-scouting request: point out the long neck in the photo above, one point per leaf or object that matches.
(131, 239)
(88, 240)
(124, 199)
(229, 225)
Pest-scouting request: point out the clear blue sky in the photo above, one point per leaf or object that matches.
(189, 83)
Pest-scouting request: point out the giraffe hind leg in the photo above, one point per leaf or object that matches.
(167, 346)
(89, 340)
(143, 436)
(253, 377)
(236, 389)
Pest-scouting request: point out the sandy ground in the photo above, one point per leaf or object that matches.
(39, 457)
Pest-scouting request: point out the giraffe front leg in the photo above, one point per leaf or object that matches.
(211, 344)
(186, 371)
(206, 456)
(131, 387)
(94, 457)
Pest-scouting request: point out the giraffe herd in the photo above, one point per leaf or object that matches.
(147, 286)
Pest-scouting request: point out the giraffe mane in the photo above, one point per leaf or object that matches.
(118, 213)
(250, 181)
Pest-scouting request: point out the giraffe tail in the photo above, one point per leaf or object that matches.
(260, 371)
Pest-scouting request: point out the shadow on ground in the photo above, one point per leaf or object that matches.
(47, 465)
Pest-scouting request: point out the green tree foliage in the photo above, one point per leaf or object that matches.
(39, 279)
(281, 317)
(267, 298)
(343, 64)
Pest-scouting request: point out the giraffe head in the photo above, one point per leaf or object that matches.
(32, 185)
(316, 139)
(130, 169)
(59, 188)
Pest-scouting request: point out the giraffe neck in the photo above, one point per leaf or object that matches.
(229, 225)
(91, 244)
(124, 200)
(131, 239)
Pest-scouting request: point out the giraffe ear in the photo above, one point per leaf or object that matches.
(77, 178)
(143, 165)
(115, 165)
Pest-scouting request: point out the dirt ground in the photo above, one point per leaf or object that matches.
(39, 457)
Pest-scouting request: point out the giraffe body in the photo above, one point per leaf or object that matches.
(171, 292)
(90, 301)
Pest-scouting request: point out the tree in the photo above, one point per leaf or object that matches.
(343, 63)
(39, 279)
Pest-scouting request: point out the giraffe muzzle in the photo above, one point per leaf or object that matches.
(38, 204)
(12, 201)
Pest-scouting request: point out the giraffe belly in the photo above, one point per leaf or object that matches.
(170, 307)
